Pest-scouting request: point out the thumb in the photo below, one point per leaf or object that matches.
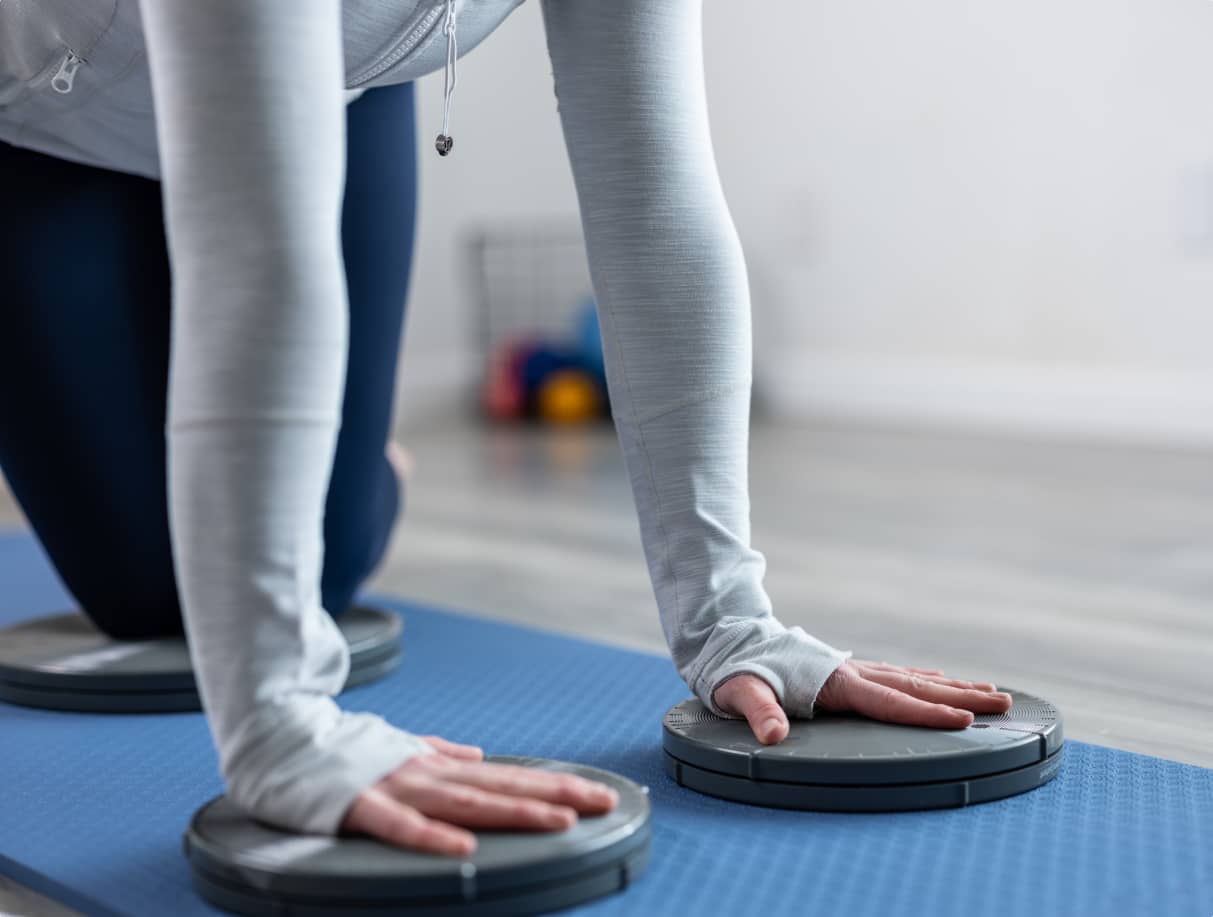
(753, 698)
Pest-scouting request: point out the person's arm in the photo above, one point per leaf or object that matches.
(673, 299)
(674, 306)
(250, 123)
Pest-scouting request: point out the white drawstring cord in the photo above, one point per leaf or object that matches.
(445, 142)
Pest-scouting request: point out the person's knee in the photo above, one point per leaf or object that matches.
(140, 610)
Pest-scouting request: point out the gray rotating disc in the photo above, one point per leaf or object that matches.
(838, 763)
(244, 866)
(64, 662)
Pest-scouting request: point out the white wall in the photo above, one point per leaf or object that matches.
(998, 215)
(509, 162)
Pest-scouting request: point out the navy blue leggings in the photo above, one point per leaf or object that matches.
(84, 348)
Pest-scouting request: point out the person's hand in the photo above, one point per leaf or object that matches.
(427, 803)
(891, 693)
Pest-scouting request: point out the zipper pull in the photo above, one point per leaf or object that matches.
(444, 142)
(65, 76)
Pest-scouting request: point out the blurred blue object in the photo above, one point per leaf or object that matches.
(589, 335)
(538, 364)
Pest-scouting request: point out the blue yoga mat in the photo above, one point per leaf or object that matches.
(92, 807)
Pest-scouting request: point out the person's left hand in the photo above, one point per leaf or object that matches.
(891, 693)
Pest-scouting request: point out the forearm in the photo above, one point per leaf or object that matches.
(250, 128)
(673, 296)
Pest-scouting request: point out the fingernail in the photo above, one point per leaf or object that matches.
(562, 818)
(770, 727)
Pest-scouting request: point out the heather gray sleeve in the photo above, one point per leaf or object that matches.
(250, 124)
(672, 290)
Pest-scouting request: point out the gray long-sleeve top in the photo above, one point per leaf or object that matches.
(248, 101)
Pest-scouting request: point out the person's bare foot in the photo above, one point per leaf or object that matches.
(401, 460)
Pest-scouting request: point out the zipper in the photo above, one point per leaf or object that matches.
(65, 76)
(410, 41)
(61, 76)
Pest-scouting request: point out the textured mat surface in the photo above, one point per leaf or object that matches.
(92, 807)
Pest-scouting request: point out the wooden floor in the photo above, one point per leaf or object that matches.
(1083, 573)
(1080, 572)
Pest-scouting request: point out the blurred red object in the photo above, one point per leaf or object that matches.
(503, 396)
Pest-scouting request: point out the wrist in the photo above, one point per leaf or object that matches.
(794, 664)
(301, 764)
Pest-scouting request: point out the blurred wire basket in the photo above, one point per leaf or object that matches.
(535, 326)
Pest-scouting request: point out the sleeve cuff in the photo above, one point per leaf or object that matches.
(792, 662)
(305, 773)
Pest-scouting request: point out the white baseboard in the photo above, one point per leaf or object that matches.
(1147, 407)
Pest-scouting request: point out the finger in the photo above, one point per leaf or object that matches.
(937, 679)
(961, 698)
(454, 749)
(880, 702)
(460, 804)
(895, 668)
(585, 796)
(376, 813)
(753, 698)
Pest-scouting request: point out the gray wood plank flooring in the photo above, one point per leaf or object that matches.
(1083, 572)
(18, 901)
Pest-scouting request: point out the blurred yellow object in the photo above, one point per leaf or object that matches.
(569, 396)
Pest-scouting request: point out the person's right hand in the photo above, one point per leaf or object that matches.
(878, 690)
(429, 801)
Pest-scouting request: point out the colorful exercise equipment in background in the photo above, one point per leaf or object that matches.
(558, 381)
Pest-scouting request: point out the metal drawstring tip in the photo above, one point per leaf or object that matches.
(444, 144)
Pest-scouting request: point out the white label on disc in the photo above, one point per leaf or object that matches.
(289, 849)
(93, 659)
